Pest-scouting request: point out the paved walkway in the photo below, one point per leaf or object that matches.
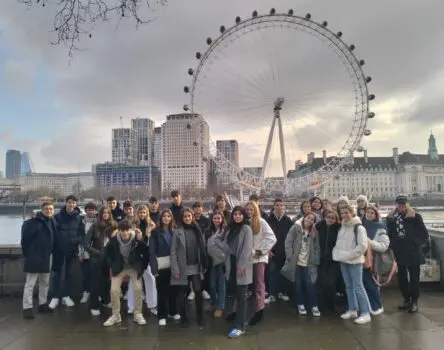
(282, 329)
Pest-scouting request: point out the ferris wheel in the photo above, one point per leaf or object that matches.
(282, 85)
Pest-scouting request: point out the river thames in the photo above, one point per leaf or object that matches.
(11, 225)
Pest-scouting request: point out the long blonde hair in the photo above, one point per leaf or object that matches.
(150, 224)
(255, 220)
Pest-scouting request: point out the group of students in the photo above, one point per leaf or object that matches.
(170, 255)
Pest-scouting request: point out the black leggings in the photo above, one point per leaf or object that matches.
(196, 284)
(166, 294)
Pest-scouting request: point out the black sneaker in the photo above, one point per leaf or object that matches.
(44, 309)
(413, 307)
(258, 316)
(405, 305)
(28, 314)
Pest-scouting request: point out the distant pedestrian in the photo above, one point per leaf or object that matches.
(37, 246)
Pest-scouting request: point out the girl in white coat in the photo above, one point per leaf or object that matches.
(351, 246)
(144, 224)
(263, 241)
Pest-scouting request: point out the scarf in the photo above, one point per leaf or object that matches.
(399, 221)
(372, 227)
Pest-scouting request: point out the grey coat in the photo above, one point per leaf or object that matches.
(244, 256)
(179, 258)
(293, 244)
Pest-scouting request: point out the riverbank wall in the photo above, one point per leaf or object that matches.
(12, 277)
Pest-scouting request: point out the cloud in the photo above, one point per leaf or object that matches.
(19, 76)
(141, 72)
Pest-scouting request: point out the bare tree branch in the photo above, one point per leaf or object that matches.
(75, 19)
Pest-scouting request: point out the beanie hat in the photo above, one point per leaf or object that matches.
(343, 199)
(363, 198)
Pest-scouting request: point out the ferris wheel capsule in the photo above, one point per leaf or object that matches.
(186, 89)
(272, 11)
(198, 55)
(308, 16)
(371, 97)
(254, 14)
(361, 62)
(367, 132)
(360, 149)
(352, 47)
(238, 20)
(325, 24)
(368, 79)
(339, 34)
(209, 41)
(371, 115)
(290, 12)
(186, 108)
(190, 71)
(222, 29)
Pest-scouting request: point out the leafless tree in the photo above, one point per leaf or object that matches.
(75, 19)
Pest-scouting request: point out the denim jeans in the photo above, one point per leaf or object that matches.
(218, 286)
(304, 287)
(356, 296)
(276, 282)
(372, 290)
(62, 286)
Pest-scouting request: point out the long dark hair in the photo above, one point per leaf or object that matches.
(105, 228)
(234, 227)
(171, 225)
(223, 223)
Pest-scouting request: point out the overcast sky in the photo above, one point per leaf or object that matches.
(62, 110)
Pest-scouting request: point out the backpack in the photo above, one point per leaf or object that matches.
(368, 263)
(384, 267)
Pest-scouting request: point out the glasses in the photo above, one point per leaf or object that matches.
(331, 217)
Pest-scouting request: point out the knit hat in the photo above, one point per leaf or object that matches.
(362, 197)
(343, 199)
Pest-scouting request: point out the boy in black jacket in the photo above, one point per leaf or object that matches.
(124, 254)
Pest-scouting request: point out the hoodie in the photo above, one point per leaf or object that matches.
(118, 214)
(346, 251)
(377, 235)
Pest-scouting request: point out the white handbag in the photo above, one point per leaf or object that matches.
(163, 262)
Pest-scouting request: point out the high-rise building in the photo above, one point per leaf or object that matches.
(228, 149)
(2, 174)
(27, 167)
(13, 164)
(185, 152)
(157, 147)
(124, 146)
(144, 128)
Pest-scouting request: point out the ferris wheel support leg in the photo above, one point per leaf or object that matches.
(267, 150)
(281, 143)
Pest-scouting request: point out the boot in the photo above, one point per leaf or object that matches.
(413, 307)
(405, 305)
(257, 317)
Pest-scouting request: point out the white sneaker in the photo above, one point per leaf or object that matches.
(191, 296)
(270, 299)
(283, 297)
(176, 317)
(377, 312)
(67, 301)
(130, 311)
(139, 319)
(54, 303)
(113, 320)
(363, 319)
(153, 311)
(301, 309)
(95, 312)
(315, 311)
(109, 305)
(349, 315)
(162, 322)
(85, 298)
(205, 295)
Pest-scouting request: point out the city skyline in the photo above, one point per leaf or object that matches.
(82, 100)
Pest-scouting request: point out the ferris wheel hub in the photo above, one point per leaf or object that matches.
(278, 103)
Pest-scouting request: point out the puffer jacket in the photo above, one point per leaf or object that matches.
(377, 236)
(263, 241)
(346, 250)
